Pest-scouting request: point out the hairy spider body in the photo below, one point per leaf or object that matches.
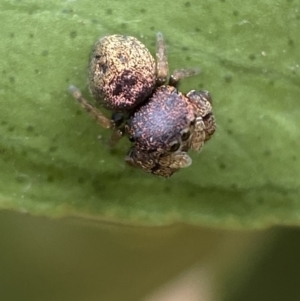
(162, 123)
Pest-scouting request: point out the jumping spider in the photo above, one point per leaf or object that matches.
(161, 122)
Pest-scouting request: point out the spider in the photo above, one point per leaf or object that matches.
(162, 123)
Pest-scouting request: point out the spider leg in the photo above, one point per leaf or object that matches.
(179, 74)
(162, 67)
(113, 124)
(115, 137)
(93, 111)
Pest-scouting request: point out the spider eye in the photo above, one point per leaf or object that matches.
(193, 122)
(174, 146)
(185, 134)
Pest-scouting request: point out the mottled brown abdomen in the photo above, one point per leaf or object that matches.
(122, 72)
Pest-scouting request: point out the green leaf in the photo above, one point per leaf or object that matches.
(54, 158)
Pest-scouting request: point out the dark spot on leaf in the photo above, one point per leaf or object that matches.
(143, 10)
(2, 150)
(233, 186)
(73, 34)
(123, 25)
(11, 128)
(113, 151)
(52, 149)
(222, 165)
(230, 120)
(284, 193)
(12, 35)
(188, 58)
(187, 4)
(252, 57)
(109, 11)
(291, 42)
(271, 83)
(50, 178)
(98, 185)
(45, 52)
(36, 71)
(78, 112)
(4, 122)
(229, 132)
(184, 48)
(21, 178)
(54, 139)
(267, 152)
(81, 180)
(260, 200)
(24, 153)
(30, 128)
(235, 13)
(228, 78)
(191, 194)
(167, 189)
(152, 28)
(197, 29)
(224, 62)
(12, 79)
(31, 35)
(294, 158)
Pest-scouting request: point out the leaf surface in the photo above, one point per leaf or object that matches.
(54, 158)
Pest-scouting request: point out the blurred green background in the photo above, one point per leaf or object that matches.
(73, 259)
(77, 223)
